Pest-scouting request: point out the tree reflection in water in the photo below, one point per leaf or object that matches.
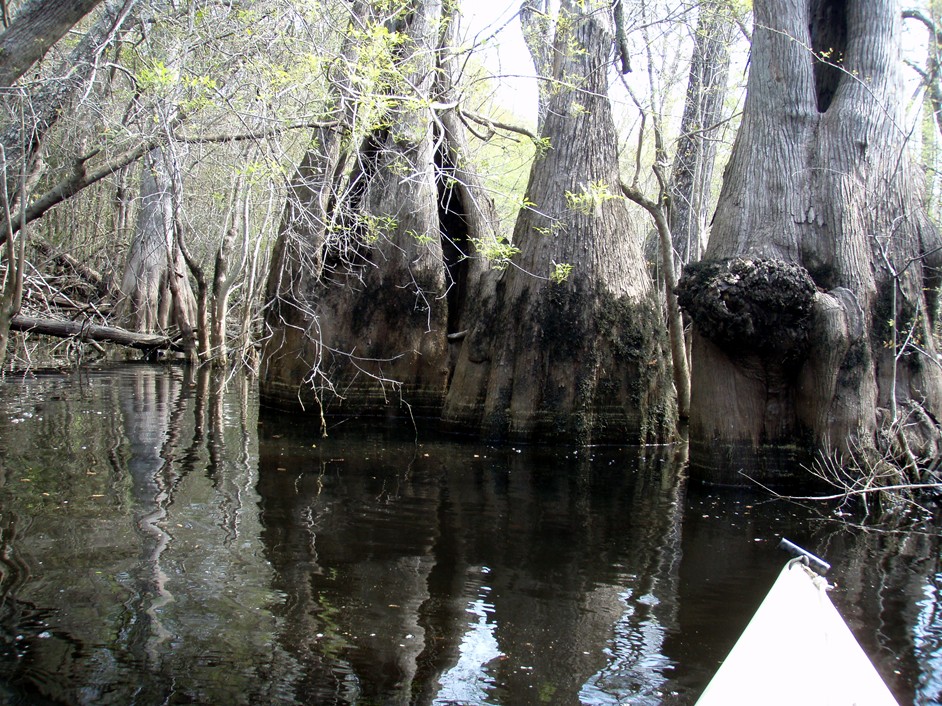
(152, 418)
(156, 547)
(468, 681)
(134, 556)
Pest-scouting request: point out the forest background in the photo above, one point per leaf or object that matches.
(151, 150)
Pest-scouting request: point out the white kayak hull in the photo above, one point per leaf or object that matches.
(797, 650)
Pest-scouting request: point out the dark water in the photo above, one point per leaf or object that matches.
(160, 544)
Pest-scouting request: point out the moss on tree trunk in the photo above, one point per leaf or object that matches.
(570, 343)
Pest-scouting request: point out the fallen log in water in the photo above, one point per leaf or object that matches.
(92, 332)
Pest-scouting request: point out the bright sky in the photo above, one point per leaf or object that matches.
(495, 23)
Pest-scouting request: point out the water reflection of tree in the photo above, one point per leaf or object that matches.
(60, 433)
(928, 642)
(407, 567)
(152, 425)
(110, 477)
(346, 617)
(14, 570)
(587, 565)
(887, 591)
(638, 665)
(195, 598)
(487, 558)
(225, 482)
(544, 574)
(113, 606)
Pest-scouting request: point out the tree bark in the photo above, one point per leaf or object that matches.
(200, 326)
(11, 296)
(222, 286)
(695, 155)
(572, 346)
(37, 25)
(92, 332)
(155, 289)
(370, 268)
(819, 204)
(538, 28)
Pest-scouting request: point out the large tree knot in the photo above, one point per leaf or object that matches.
(750, 305)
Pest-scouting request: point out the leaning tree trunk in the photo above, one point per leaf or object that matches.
(814, 304)
(371, 271)
(37, 25)
(45, 105)
(572, 346)
(25, 115)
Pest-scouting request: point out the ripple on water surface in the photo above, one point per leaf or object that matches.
(163, 542)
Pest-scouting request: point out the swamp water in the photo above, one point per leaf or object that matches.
(164, 542)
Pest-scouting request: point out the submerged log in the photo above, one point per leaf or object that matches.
(92, 332)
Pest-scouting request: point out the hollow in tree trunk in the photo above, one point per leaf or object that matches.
(371, 271)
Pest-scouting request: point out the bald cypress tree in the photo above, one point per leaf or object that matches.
(572, 344)
(372, 269)
(814, 307)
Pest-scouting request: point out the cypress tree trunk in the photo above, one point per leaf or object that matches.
(155, 290)
(692, 171)
(815, 303)
(571, 346)
(371, 270)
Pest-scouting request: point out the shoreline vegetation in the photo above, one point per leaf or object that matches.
(340, 199)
